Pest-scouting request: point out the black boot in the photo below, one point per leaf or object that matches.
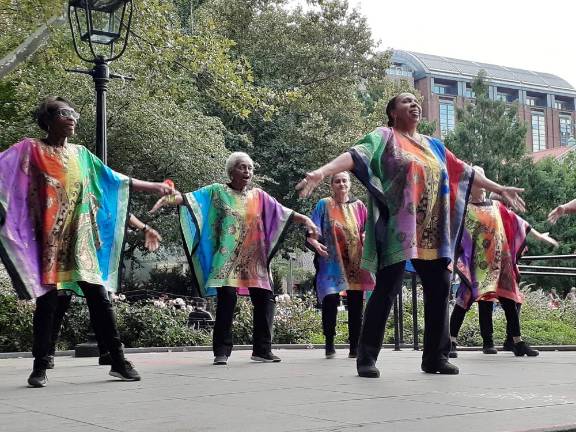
(522, 348)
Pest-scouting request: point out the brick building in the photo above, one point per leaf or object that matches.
(546, 102)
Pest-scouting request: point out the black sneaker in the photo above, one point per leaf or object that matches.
(368, 371)
(442, 368)
(125, 371)
(489, 349)
(50, 364)
(265, 358)
(105, 359)
(220, 360)
(453, 353)
(330, 351)
(522, 348)
(38, 378)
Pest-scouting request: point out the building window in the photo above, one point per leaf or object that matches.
(565, 129)
(399, 70)
(538, 132)
(501, 97)
(530, 101)
(447, 117)
(440, 89)
(561, 105)
(468, 92)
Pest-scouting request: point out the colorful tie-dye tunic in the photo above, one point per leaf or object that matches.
(418, 193)
(492, 242)
(62, 218)
(342, 229)
(230, 236)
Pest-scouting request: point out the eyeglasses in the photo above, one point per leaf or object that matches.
(69, 113)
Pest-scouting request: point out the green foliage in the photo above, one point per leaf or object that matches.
(15, 324)
(488, 133)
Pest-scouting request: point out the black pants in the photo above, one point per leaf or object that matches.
(485, 308)
(101, 316)
(63, 304)
(330, 313)
(263, 320)
(435, 279)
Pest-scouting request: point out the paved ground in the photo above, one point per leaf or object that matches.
(184, 392)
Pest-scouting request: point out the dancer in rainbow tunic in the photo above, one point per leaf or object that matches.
(418, 193)
(62, 221)
(231, 232)
(493, 239)
(341, 220)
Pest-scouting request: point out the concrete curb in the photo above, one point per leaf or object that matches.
(70, 353)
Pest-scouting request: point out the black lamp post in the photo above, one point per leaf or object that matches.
(100, 30)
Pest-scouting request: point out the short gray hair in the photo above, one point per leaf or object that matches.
(233, 160)
(341, 172)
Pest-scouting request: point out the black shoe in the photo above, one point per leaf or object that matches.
(50, 364)
(353, 352)
(105, 359)
(489, 349)
(38, 378)
(522, 348)
(265, 358)
(220, 360)
(508, 344)
(453, 353)
(368, 371)
(330, 351)
(442, 368)
(125, 371)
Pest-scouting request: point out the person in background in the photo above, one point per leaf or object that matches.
(341, 220)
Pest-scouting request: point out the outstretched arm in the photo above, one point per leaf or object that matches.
(510, 195)
(174, 199)
(344, 162)
(544, 237)
(562, 210)
(152, 187)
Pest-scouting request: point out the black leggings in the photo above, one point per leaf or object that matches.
(101, 315)
(330, 304)
(62, 307)
(435, 279)
(263, 320)
(485, 308)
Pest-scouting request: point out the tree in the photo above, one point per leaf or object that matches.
(488, 133)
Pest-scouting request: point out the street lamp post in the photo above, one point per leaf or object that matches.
(100, 30)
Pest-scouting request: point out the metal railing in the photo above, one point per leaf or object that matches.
(525, 269)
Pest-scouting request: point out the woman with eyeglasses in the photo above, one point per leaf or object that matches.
(418, 193)
(62, 221)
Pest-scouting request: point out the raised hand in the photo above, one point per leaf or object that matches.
(173, 199)
(512, 196)
(556, 214)
(308, 184)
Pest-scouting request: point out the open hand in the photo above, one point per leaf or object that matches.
(512, 196)
(152, 239)
(308, 184)
(546, 237)
(556, 214)
(318, 247)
